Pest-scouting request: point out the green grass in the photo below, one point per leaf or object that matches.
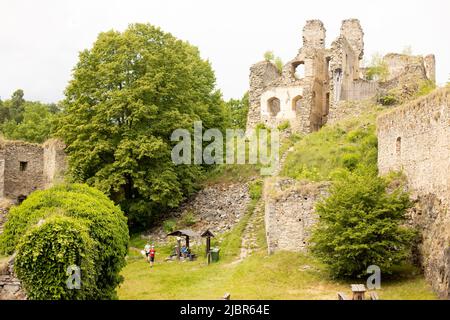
(345, 145)
(231, 173)
(284, 275)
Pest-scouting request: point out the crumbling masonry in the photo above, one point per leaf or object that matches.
(25, 167)
(309, 88)
(415, 139)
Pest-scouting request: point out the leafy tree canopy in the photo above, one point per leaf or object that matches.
(238, 110)
(128, 93)
(31, 121)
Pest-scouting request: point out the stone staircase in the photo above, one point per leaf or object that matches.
(249, 240)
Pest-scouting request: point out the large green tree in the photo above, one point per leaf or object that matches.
(238, 111)
(16, 107)
(128, 93)
(361, 223)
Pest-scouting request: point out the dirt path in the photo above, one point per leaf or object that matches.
(249, 240)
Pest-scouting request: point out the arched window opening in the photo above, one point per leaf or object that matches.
(328, 59)
(398, 146)
(273, 106)
(337, 84)
(299, 70)
(297, 103)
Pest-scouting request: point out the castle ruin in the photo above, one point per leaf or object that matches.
(415, 138)
(309, 88)
(25, 167)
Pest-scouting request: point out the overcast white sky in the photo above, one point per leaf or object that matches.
(40, 39)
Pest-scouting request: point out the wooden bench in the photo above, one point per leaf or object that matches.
(342, 296)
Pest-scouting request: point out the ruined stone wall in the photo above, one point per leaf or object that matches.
(23, 168)
(330, 76)
(429, 62)
(398, 64)
(314, 34)
(343, 73)
(351, 29)
(26, 167)
(261, 74)
(55, 163)
(415, 138)
(289, 212)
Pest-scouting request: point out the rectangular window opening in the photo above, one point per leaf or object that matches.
(23, 165)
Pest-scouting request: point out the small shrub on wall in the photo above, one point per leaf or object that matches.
(62, 226)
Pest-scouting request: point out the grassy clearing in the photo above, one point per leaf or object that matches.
(284, 275)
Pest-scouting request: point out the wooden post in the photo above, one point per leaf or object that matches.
(208, 245)
(187, 242)
(178, 248)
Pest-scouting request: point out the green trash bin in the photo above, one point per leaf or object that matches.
(214, 254)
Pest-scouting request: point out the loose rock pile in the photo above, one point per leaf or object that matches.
(10, 287)
(217, 208)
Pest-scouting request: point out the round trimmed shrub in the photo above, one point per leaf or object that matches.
(45, 253)
(96, 237)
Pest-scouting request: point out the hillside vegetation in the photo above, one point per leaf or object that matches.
(322, 155)
(282, 276)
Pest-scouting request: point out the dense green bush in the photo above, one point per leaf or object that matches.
(31, 121)
(284, 125)
(93, 224)
(255, 189)
(188, 219)
(237, 112)
(388, 99)
(46, 251)
(169, 225)
(360, 224)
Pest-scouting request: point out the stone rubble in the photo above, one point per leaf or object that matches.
(10, 286)
(217, 208)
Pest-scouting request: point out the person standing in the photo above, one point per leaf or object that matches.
(151, 254)
(147, 251)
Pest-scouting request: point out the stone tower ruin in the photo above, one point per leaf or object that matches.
(309, 88)
(26, 167)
